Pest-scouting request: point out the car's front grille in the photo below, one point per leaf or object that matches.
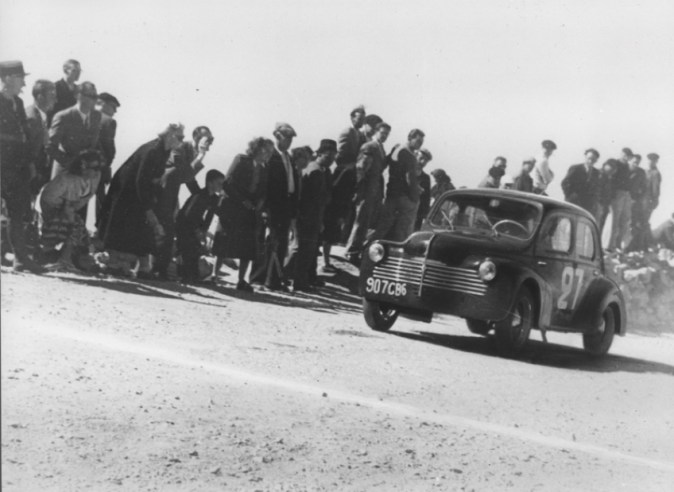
(419, 274)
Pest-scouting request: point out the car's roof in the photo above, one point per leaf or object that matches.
(549, 204)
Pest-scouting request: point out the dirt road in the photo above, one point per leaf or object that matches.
(111, 384)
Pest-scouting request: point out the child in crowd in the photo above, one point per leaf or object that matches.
(61, 199)
(192, 224)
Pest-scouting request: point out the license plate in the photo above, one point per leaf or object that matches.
(381, 286)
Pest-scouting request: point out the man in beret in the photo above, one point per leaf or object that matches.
(581, 183)
(107, 104)
(653, 182)
(314, 195)
(283, 182)
(523, 182)
(15, 164)
(621, 204)
(423, 156)
(44, 97)
(369, 190)
(66, 88)
(542, 175)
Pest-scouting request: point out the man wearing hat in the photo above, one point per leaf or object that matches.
(621, 204)
(66, 88)
(14, 163)
(523, 181)
(493, 179)
(369, 190)
(314, 195)
(487, 182)
(542, 175)
(282, 195)
(44, 96)
(581, 183)
(653, 182)
(107, 104)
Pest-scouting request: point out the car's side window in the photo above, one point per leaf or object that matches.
(556, 234)
(585, 246)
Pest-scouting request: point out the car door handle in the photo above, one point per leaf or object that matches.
(542, 263)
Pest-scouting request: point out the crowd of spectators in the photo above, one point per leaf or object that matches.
(276, 206)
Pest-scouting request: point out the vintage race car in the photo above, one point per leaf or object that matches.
(503, 260)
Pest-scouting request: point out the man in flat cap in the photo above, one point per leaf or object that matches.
(313, 197)
(44, 97)
(524, 182)
(369, 190)
(653, 182)
(15, 164)
(66, 88)
(283, 182)
(107, 104)
(581, 184)
(621, 204)
(542, 174)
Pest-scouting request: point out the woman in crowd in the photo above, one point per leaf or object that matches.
(442, 183)
(127, 222)
(240, 212)
(60, 201)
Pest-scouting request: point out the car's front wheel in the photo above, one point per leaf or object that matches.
(599, 343)
(379, 316)
(478, 326)
(513, 332)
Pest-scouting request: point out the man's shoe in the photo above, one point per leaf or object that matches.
(303, 288)
(62, 266)
(330, 269)
(244, 286)
(28, 266)
(143, 275)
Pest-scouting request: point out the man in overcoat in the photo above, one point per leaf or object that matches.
(581, 183)
(44, 96)
(66, 88)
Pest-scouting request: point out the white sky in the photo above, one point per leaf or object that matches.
(482, 78)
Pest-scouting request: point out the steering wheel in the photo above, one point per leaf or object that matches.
(507, 221)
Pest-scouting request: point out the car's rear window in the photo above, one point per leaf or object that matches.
(484, 215)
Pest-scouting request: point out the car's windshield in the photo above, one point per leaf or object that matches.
(485, 215)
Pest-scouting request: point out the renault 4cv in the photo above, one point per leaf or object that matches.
(504, 261)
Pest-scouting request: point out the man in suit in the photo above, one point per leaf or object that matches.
(581, 184)
(639, 228)
(66, 88)
(621, 204)
(542, 174)
(74, 130)
(283, 184)
(369, 190)
(44, 96)
(14, 164)
(107, 104)
(524, 182)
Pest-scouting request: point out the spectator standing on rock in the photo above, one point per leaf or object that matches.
(524, 182)
(107, 104)
(606, 192)
(402, 191)
(638, 237)
(192, 224)
(15, 164)
(581, 183)
(442, 184)
(182, 167)
(314, 195)
(542, 174)
(44, 96)
(423, 156)
(240, 212)
(128, 222)
(66, 88)
(500, 162)
(369, 169)
(653, 182)
(621, 205)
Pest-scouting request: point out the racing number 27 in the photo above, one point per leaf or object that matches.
(567, 287)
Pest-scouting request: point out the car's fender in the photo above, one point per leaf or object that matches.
(600, 294)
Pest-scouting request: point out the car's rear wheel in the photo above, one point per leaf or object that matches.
(478, 326)
(599, 343)
(379, 316)
(512, 333)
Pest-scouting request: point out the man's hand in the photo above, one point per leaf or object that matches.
(204, 145)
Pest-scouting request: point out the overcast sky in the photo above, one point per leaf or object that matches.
(482, 78)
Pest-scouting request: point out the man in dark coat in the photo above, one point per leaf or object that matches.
(182, 168)
(107, 104)
(581, 184)
(369, 190)
(128, 222)
(311, 204)
(524, 182)
(282, 194)
(621, 205)
(424, 156)
(639, 228)
(653, 182)
(14, 163)
(66, 88)
(44, 95)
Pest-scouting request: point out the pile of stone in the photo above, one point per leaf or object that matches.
(647, 282)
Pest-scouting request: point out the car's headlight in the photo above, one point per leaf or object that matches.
(487, 271)
(376, 252)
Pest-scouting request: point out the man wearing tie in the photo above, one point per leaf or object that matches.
(44, 95)
(282, 195)
(74, 130)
